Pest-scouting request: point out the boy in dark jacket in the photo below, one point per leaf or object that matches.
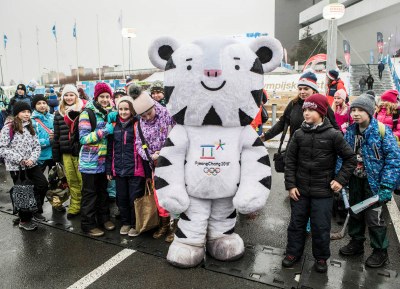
(377, 173)
(310, 179)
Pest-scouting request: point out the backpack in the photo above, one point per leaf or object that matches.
(74, 141)
(382, 130)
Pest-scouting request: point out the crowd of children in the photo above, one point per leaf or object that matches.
(112, 143)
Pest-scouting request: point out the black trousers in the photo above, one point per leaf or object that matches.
(380, 74)
(370, 86)
(94, 204)
(319, 210)
(40, 188)
(47, 164)
(128, 190)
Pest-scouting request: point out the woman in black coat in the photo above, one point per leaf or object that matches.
(293, 114)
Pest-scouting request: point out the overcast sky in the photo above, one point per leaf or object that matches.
(183, 19)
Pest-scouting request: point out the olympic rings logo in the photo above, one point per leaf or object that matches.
(212, 171)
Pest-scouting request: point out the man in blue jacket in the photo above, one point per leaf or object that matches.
(377, 173)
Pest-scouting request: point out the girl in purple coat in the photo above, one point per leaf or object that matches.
(153, 127)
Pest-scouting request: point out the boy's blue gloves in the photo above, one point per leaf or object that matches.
(112, 116)
(109, 128)
(385, 194)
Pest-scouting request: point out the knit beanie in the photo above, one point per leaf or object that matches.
(157, 86)
(120, 91)
(317, 102)
(143, 103)
(390, 96)
(365, 102)
(341, 93)
(36, 99)
(333, 74)
(308, 79)
(125, 98)
(20, 106)
(69, 88)
(100, 88)
(22, 86)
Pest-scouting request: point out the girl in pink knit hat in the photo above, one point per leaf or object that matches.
(388, 111)
(341, 110)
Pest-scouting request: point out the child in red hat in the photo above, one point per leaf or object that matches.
(388, 111)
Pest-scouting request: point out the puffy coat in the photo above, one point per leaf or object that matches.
(293, 115)
(335, 86)
(46, 145)
(343, 120)
(123, 159)
(381, 157)
(61, 143)
(53, 103)
(311, 160)
(92, 157)
(15, 147)
(388, 120)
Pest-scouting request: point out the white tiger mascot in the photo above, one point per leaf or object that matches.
(213, 162)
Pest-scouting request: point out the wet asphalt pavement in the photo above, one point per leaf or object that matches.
(57, 255)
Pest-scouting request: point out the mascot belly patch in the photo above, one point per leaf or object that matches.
(213, 163)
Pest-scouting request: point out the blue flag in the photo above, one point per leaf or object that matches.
(5, 41)
(74, 31)
(54, 31)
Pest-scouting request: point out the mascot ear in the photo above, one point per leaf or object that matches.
(269, 50)
(161, 49)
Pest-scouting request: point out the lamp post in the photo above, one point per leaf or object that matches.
(1, 68)
(332, 12)
(129, 33)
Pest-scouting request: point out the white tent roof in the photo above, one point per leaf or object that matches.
(155, 76)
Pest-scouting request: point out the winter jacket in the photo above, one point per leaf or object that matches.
(381, 158)
(61, 143)
(343, 120)
(53, 103)
(123, 159)
(155, 132)
(362, 81)
(381, 66)
(46, 145)
(370, 79)
(311, 160)
(17, 98)
(293, 115)
(4, 101)
(335, 86)
(15, 147)
(388, 120)
(92, 157)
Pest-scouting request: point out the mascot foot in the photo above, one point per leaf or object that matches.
(185, 256)
(227, 248)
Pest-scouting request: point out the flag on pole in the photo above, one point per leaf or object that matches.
(37, 35)
(5, 41)
(54, 31)
(74, 31)
(346, 49)
(379, 41)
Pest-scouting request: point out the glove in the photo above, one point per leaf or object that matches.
(112, 116)
(109, 128)
(385, 195)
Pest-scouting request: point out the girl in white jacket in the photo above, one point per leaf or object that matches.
(20, 148)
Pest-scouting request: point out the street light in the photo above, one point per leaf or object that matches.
(1, 68)
(129, 33)
(332, 12)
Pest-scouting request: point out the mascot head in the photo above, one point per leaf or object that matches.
(215, 80)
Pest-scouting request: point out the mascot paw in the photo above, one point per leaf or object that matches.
(227, 248)
(247, 205)
(176, 202)
(184, 256)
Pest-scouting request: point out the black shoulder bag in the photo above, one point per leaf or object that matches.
(279, 157)
(22, 194)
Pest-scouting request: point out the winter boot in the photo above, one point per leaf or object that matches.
(163, 229)
(353, 248)
(171, 232)
(289, 261)
(377, 259)
(320, 266)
